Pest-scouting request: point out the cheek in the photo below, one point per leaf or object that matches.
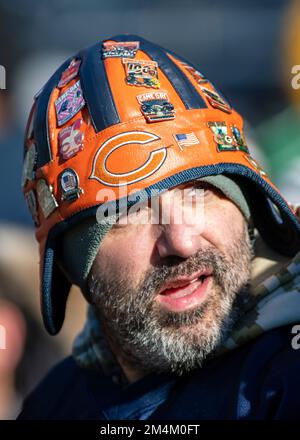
(224, 224)
(126, 253)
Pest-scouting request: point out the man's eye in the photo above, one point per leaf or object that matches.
(197, 191)
(136, 214)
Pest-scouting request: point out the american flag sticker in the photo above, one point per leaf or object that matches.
(186, 140)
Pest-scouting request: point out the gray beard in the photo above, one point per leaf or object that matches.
(149, 338)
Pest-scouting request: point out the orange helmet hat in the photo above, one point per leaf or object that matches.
(126, 116)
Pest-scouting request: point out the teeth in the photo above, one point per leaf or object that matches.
(196, 280)
(188, 289)
(184, 291)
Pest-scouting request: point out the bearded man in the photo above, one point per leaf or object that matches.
(145, 195)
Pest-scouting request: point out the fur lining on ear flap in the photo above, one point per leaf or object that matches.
(79, 247)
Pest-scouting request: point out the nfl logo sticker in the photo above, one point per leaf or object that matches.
(70, 140)
(126, 49)
(215, 100)
(69, 103)
(141, 73)
(186, 140)
(70, 73)
(69, 184)
(156, 106)
(221, 136)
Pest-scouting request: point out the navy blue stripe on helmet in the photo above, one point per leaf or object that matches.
(184, 88)
(96, 89)
(40, 125)
(183, 60)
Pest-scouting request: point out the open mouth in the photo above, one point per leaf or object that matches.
(185, 293)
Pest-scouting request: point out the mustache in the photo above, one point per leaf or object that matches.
(174, 266)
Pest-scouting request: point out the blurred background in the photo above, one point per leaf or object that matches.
(246, 48)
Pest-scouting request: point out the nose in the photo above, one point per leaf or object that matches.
(180, 233)
(177, 240)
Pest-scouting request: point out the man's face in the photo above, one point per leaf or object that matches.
(168, 293)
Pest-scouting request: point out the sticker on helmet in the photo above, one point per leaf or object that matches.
(70, 73)
(29, 165)
(156, 106)
(216, 101)
(221, 136)
(141, 73)
(239, 139)
(45, 197)
(124, 49)
(69, 184)
(255, 165)
(225, 141)
(69, 103)
(32, 205)
(70, 140)
(186, 140)
(198, 77)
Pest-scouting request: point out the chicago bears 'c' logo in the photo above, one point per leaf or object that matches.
(148, 162)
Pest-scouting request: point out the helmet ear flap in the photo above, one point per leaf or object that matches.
(55, 289)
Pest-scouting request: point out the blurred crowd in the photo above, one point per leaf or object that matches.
(248, 49)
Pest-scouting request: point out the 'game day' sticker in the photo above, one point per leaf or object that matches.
(156, 106)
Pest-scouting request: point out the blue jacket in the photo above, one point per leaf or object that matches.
(260, 380)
